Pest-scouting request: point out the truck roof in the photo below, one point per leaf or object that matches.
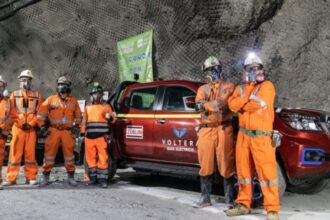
(167, 83)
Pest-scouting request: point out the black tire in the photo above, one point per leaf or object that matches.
(312, 187)
(112, 168)
(281, 181)
(40, 156)
(81, 156)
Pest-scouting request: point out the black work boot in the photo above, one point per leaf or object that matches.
(206, 186)
(102, 176)
(71, 179)
(103, 183)
(44, 179)
(229, 190)
(92, 180)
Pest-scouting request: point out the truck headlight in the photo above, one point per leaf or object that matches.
(301, 122)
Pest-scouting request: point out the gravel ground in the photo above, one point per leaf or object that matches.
(136, 196)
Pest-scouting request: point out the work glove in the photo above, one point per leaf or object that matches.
(26, 127)
(108, 116)
(108, 138)
(81, 137)
(199, 107)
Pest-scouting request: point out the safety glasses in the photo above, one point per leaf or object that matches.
(253, 68)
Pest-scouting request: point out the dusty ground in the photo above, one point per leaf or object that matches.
(137, 196)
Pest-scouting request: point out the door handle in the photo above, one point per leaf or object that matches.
(162, 121)
(125, 120)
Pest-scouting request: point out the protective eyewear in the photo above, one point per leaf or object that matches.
(253, 68)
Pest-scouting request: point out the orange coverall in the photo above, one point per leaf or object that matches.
(24, 105)
(215, 137)
(96, 127)
(255, 104)
(4, 127)
(62, 114)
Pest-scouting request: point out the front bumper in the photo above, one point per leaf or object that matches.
(305, 162)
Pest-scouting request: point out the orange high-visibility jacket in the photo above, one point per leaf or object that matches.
(215, 98)
(24, 106)
(254, 102)
(61, 113)
(4, 115)
(94, 122)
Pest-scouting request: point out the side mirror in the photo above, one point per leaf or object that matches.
(189, 102)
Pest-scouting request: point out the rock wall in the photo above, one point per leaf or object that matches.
(78, 38)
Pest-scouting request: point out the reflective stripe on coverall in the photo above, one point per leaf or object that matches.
(62, 114)
(255, 104)
(216, 141)
(96, 126)
(23, 107)
(4, 126)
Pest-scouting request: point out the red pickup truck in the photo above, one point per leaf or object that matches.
(157, 129)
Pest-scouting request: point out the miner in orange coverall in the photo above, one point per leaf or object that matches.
(95, 127)
(63, 112)
(5, 122)
(24, 104)
(215, 137)
(254, 151)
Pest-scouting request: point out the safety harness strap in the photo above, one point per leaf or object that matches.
(254, 133)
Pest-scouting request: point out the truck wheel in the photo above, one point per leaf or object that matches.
(281, 181)
(81, 156)
(40, 156)
(112, 168)
(311, 187)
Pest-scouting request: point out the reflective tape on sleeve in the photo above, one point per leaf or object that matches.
(261, 102)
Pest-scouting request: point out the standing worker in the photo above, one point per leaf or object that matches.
(254, 151)
(63, 112)
(95, 127)
(24, 104)
(215, 137)
(4, 122)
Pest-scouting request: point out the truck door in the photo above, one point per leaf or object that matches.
(137, 123)
(176, 124)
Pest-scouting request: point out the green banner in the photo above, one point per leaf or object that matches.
(134, 57)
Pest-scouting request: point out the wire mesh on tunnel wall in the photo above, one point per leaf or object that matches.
(78, 38)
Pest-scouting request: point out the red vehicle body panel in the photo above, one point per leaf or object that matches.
(169, 138)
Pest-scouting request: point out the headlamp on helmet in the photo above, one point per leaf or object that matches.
(96, 88)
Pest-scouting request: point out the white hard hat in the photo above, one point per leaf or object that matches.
(2, 80)
(26, 74)
(212, 61)
(63, 80)
(252, 58)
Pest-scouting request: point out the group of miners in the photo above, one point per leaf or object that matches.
(253, 101)
(24, 111)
